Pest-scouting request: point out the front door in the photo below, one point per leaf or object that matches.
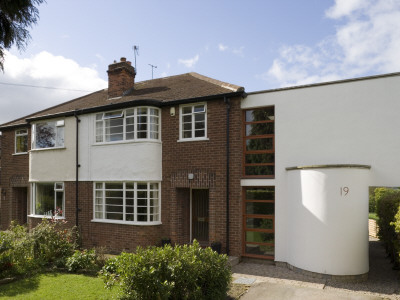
(200, 216)
(21, 196)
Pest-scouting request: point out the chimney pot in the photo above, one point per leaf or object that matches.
(123, 59)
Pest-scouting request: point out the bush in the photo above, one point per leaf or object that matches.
(387, 205)
(52, 243)
(22, 252)
(182, 272)
(83, 260)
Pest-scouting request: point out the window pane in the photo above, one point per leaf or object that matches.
(45, 135)
(113, 114)
(199, 117)
(261, 114)
(44, 199)
(199, 133)
(187, 134)
(59, 204)
(259, 144)
(259, 170)
(260, 158)
(259, 129)
(267, 193)
(199, 108)
(187, 110)
(142, 218)
(259, 223)
(259, 237)
(114, 186)
(260, 208)
(21, 144)
(187, 119)
(60, 137)
(260, 249)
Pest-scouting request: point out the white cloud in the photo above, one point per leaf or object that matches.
(42, 70)
(238, 51)
(368, 42)
(222, 47)
(189, 63)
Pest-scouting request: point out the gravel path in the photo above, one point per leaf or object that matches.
(382, 280)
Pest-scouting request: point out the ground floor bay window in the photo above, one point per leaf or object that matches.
(48, 199)
(127, 202)
(259, 222)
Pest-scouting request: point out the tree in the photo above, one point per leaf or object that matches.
(15, 17)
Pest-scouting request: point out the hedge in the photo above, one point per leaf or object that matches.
(387, 206)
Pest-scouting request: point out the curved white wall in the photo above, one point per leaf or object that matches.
(327, 228)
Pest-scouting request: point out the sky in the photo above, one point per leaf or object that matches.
(257, 44)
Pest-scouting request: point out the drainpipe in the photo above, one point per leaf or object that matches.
(228, 107)
(77, 170)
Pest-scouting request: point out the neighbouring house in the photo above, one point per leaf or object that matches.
(279, 174)
(133, 163)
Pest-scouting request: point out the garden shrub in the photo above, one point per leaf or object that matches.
(52, 243)
(180, 272)
(83, 260)
(387, 205)
(23, 252)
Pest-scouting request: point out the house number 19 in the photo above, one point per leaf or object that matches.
(344, 191)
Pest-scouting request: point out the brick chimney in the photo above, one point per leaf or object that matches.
(121, 77)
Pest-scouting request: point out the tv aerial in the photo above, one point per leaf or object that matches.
(135, 51)
(152, 68)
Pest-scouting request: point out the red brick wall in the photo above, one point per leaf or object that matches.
(207, 161)
(14, 173)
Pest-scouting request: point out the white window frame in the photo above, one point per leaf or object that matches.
(192, 114)
(17, 135)
(125, 115)
(59, 134)
(101, 209)
(58, 187)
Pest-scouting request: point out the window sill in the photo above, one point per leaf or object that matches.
(20, 153)
(47, 149)
(193, 140)
(126, 222)
(45, 217)
(127, 142)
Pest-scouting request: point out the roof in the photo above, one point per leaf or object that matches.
(159, 92)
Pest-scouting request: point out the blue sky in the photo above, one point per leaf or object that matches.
(259, 44)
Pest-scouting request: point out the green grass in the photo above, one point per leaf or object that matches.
(57, 286)
(373, 216)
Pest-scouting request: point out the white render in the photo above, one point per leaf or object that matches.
(117, 161)
(327, 220)
(346, 122)
(55, 164)
(133, 161)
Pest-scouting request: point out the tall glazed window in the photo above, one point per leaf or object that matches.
(259, 222)
(259, 142)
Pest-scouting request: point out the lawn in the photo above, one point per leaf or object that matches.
(57, 286)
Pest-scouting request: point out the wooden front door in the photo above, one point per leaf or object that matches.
(200, 216)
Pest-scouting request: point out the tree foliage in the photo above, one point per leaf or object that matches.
(15, 17)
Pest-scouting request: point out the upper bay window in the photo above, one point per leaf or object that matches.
(48, 134)
(259, 142)
(193, 121)
(21, 141)
(139, 123)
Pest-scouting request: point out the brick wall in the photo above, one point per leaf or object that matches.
(14, 174)
(207, 161)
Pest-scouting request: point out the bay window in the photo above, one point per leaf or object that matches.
(48, 134)
(48, 199)
(139, 123)
(128, 202)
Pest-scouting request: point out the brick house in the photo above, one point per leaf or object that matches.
(132, 164)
